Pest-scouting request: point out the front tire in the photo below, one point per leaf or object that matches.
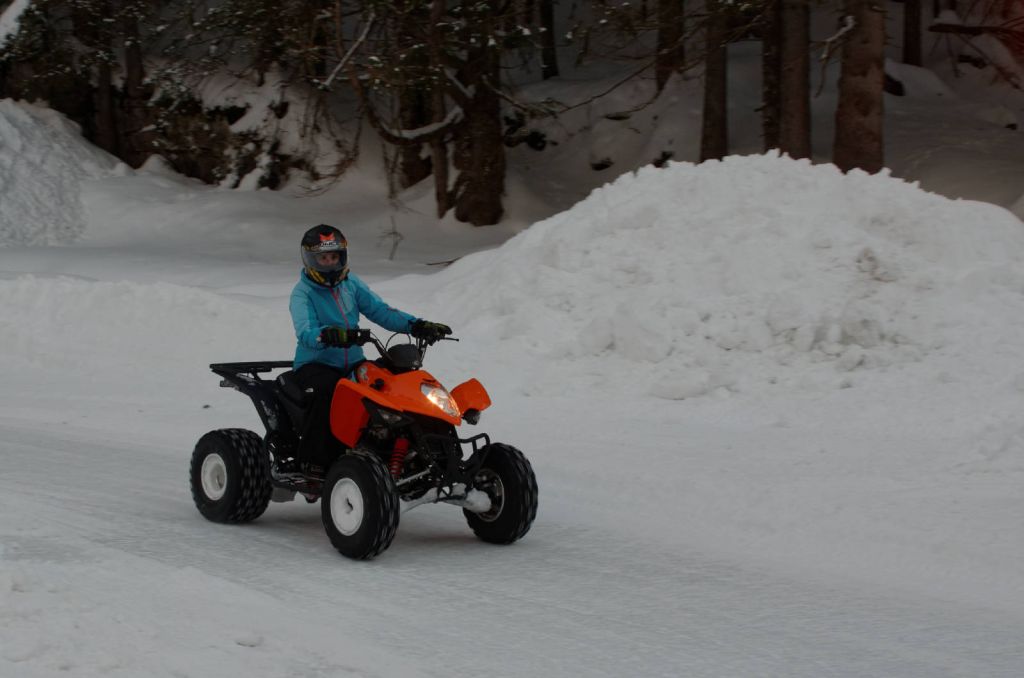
(507, 478)
(230, 476)
(360, 506)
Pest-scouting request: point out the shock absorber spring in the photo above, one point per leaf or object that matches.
(398, 455)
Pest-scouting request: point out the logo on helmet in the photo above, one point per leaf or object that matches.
(325, 242)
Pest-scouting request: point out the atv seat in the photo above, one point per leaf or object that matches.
(294, 399)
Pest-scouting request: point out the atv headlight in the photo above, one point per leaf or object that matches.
(440, 397)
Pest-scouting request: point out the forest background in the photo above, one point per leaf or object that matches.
(261, 93)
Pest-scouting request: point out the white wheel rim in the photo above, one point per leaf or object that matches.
(214, 476)
(489, 482)
(347, 506)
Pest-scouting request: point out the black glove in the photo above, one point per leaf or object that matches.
(343, 338)
(334, 336)
(428, 331)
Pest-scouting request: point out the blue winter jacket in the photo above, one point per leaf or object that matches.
(315, 307)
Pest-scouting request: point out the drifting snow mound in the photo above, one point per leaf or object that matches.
(43, 159)
(707, 276)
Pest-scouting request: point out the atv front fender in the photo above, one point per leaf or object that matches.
(471, 395)
(348, 413)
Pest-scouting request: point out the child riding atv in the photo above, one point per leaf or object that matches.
(369, 439)
(325, 306)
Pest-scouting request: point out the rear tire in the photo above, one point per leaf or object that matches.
(360, 506)
(507, 478)
(230, 476)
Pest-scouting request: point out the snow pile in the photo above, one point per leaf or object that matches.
(43, 160)
(695, 278)
(103, 331)
(10, 19)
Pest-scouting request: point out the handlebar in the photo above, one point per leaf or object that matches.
(365, 336)
(359, 336)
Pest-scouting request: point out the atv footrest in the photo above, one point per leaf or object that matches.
(297, 482)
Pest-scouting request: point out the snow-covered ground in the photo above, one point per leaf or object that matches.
(775, 413)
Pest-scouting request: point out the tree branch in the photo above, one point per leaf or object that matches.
(348, 55)
(420, 135)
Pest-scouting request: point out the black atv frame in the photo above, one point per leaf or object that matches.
(280, 402)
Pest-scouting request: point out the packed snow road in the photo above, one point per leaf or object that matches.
(107, 569)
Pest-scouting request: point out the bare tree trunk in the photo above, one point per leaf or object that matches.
(106, 136)
(481, 152)
(413, 103)
(438, 147)
(939, 5)
(912, 32)
(795, 83)
(771, 72)
(101, 121)
(670, 55)
(859, 115)
(413, 114)
(525, 14)
(714, 142)
(439, 164)
(548, 53)
(136, 141)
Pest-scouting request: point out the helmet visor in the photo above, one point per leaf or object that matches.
(325, 258)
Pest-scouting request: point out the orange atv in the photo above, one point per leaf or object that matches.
(396, 446)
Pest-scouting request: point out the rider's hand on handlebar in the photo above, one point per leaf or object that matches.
(428, 331)
(334, 336)
(341, 337)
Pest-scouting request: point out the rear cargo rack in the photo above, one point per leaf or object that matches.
(250, 368)
(244, 377)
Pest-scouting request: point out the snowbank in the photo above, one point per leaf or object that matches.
(158, 333)
(676, 282)
(10, 19)
(43, 160)
(694, 278)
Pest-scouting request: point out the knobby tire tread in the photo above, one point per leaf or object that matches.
(526, 507)
(252, 466)
(386, 526)
(389, 503)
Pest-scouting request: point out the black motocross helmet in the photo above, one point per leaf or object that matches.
(319, 240)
